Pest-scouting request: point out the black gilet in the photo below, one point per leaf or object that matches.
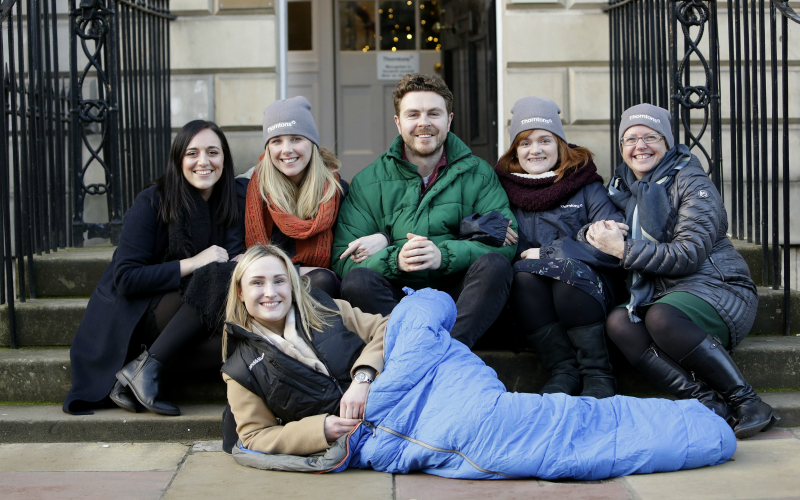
(291, 389)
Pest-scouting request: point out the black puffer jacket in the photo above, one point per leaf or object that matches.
(698, 258)
(291, 389)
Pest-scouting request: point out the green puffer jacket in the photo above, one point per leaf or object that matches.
(384, 197)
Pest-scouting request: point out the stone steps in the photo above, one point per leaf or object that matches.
(45, 374)
(48, 424)
(53, 321)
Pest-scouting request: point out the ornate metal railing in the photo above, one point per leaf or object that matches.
(114, 117)
(126, 45)
(34, 211)
(656, 44)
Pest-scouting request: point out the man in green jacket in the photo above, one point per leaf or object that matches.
(417, 194)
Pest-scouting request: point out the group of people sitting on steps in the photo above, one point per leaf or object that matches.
(289, 280)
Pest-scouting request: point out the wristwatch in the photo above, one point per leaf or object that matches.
(362, 378)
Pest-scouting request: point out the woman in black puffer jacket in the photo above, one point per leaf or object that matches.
(560, 291)
(691, 292)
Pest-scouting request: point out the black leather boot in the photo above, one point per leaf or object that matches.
(143, 376)
(712, 363)
(553, 349)
(595, 369)
(669, 376)
(124, 398)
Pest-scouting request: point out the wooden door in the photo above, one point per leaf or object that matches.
(470, 70)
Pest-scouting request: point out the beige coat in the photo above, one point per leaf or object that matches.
(257, 426)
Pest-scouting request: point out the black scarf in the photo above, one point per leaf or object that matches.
(647, 212)
(538, 195)
(195, 230)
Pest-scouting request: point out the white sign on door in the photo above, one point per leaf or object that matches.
(393, 66)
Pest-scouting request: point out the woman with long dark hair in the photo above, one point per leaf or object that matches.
(165, 286)
(561, 290)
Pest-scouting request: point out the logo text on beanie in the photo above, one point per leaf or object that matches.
(536, 119)
(281, 125)
(636, 117)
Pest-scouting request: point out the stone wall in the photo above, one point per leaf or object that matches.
(223, 57)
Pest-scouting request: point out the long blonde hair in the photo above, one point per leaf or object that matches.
(301, 201)
(312, 314)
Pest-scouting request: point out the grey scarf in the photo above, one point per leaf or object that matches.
(647, 212)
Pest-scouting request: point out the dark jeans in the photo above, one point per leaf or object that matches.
(480, 294)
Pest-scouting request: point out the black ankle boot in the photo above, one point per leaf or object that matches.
(595, 369)
(553, 349)
(712, 363)
(124, 398)
(143, 375)
(669, 376)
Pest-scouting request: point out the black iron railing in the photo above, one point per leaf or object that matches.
(655, 43)
(126, 45)
(34, 208)
(113, 115)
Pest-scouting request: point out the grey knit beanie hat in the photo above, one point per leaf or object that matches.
(648, 115)
(290, 117)
(536, 112)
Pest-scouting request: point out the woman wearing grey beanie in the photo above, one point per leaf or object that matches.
(560, 291)
(295, 192)
(691, 296)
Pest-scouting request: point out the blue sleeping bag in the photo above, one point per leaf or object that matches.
(439, 409)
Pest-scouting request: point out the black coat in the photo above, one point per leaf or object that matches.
(554, 231)
(697, 257)
(136, 274)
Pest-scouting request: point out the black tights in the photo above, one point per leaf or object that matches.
(180, 330)
(664, 325)
(540, 301)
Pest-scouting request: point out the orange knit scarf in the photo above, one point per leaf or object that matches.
(313, 237)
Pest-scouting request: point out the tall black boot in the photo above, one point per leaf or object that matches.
(553, 349)
(143, 376)
(669, 376)
(595, 369)
(712, 363)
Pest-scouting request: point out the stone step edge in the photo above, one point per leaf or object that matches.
(48, 424)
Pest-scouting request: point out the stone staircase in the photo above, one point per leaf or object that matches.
(35, 378)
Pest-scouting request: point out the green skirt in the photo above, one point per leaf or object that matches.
(699, 311)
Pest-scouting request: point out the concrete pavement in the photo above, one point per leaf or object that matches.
(765, 467)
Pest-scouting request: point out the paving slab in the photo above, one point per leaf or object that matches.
(420, 486)
(766, 469)
(215, 475)
(84, 485)
(48, 424)
(91, 457)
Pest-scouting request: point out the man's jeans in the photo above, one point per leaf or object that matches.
(479, 295)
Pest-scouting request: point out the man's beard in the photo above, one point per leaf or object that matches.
(411, 150)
